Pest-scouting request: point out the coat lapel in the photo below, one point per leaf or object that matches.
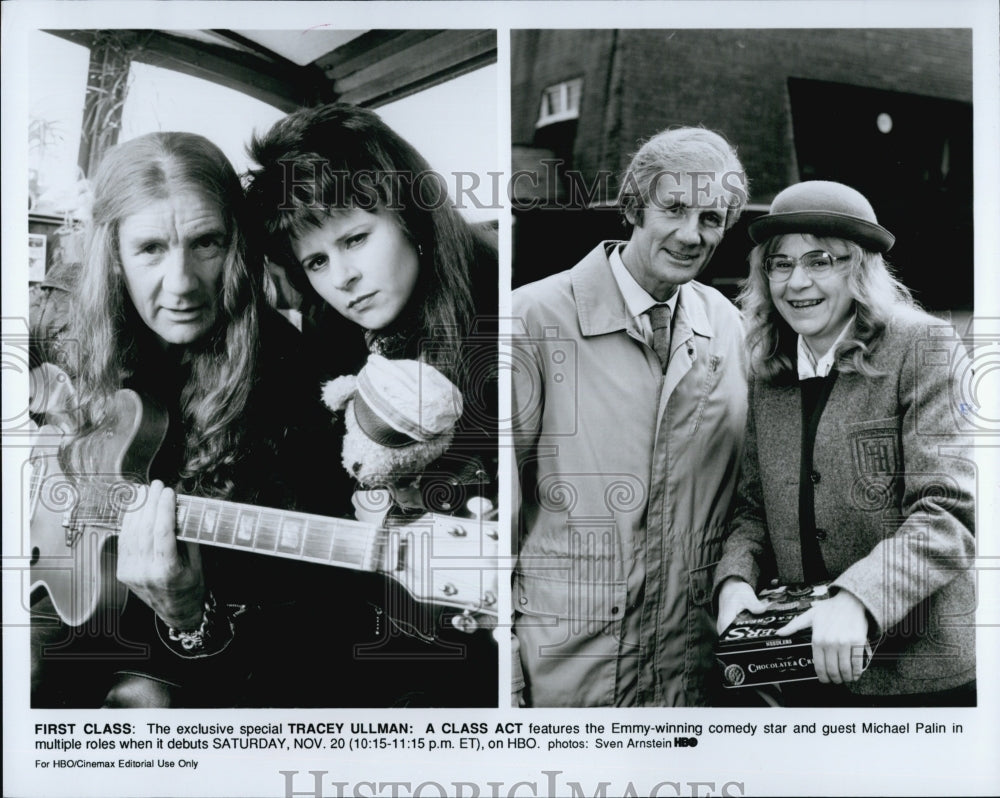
(690, 321)
(600, 306)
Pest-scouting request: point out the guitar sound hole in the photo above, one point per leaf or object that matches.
(35, 554)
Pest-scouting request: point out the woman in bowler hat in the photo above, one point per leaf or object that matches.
(855, 469)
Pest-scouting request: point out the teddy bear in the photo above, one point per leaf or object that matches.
(399, 417)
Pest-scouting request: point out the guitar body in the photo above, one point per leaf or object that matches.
(73, 518)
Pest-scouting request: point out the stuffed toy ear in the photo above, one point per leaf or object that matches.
(338, 391)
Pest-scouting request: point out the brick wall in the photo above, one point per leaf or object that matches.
(637, 82)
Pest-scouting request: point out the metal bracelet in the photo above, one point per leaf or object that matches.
(194, 640)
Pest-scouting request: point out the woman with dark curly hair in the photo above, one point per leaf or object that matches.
(389, 271)
(366, 232)
(855, 470)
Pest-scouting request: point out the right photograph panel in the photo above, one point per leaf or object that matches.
(741, 330)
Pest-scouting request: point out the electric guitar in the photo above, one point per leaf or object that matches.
(440, 560)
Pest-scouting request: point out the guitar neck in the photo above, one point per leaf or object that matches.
(281, 533)
(437, 559)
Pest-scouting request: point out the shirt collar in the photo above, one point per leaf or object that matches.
(601, 309)
(810, 366)
(637, 299)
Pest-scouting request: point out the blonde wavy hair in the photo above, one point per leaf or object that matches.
(878, 296)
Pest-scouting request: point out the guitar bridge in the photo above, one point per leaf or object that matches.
(72, 529)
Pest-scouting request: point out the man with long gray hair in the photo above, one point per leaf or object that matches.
(170, 303)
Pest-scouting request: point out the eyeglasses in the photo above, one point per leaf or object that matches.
(779, 268)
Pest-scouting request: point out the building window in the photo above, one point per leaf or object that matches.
(560, 102)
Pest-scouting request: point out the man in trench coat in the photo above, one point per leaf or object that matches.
(629, 403)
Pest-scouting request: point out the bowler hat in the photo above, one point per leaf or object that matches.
(823, 208)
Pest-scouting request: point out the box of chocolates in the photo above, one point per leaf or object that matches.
(751, 652)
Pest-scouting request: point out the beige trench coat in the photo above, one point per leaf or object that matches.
(626, 476)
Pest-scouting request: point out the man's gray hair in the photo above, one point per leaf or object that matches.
(682, 150)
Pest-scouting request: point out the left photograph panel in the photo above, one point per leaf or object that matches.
(263, 309)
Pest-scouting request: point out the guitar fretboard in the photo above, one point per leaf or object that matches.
(442, 560)
(299, 536)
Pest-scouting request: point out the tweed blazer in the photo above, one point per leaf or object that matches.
(894, 484)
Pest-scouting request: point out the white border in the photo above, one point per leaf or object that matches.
(813, 765)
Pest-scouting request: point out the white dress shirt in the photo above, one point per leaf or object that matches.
(809, 365)
(637, 299)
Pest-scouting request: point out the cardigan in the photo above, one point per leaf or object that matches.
(815, 393)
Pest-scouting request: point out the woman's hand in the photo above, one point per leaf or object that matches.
(735, 595)
(839, 637)
(162, 571)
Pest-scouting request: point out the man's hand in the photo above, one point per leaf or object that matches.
(162, 571)
(735, 595)
(839, 637)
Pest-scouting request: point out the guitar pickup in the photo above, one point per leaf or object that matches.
(401, 553)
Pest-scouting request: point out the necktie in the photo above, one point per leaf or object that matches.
(659, 318)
